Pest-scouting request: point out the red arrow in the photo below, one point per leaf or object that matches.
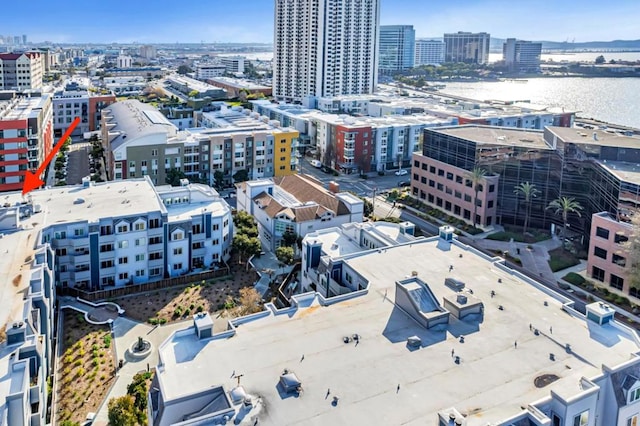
(32, 180)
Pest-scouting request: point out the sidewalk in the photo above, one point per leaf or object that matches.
(535, 260)
(126, 332)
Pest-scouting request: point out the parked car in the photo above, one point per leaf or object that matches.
(403, 183)
(316, 163)
(401, 172)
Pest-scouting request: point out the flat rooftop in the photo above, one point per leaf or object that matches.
(595, 137)
(497, 135)
(75, 203)
(625, 171)
(381, 381)
(238, 83)
(20, 108)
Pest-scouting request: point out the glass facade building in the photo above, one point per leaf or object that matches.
(397, 48)
(601, 172)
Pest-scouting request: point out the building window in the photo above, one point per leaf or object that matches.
(123, 244)
(155, 255)
(599, 252)
(122, 228)
(177, 266)
(139, 257)
(123, 260)
(141, 241)
(620, 239)
(619, 260)
(440, 172)
(440, 187)
(139, 226)
(490, 204)
(616, 282)
(632, 421)
(492, 188)
(602, 233)
(123, 275)
(449, 176)
(177, 251)
(634, 395)
(597, 273)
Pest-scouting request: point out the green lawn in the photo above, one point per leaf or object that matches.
(562, 259)
(533, 237)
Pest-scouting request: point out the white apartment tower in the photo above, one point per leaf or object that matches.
(325, 48)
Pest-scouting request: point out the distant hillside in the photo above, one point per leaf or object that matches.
(496, 45)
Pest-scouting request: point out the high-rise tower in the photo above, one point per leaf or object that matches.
(325, 48)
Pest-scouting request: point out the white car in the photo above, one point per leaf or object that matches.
(401, 172)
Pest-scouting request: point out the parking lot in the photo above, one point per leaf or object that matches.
(78, 164)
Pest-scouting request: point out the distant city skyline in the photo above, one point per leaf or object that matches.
(118, 21)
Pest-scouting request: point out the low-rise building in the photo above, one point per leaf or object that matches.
(323, 251)
(77, 101)
(236, 86)
(154, 232)
(366, 144)
(139, 140)
(295, 204)
(206, 71)
(234, 64)
(195, 88)
(479, 343)
(608, 259)
(125, 86)
(26, 137)
(135, 138)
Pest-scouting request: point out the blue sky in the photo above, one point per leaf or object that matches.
(146, 21)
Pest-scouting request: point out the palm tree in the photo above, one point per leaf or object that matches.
(564, 206)
(529, 191)
(476, 176)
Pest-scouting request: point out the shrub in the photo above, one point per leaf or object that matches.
(573, 278)
(107, 340)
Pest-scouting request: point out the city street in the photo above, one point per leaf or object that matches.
(353, 182)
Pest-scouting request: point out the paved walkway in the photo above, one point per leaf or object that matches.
(126, 332)
(535, 260)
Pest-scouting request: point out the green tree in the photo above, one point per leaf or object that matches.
(563, 206)
(243, 220)
(193, 93)
(184, 69)
(69, 423)
(476, 176)
(138, 389)
(173, 177)
(600, 60)
(289, 238)
(218, 178)
(65, 146)
(241, 176)
(122, 411)
(529, 191)
(285, 255)
(246, 246)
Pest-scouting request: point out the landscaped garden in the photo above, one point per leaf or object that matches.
(562, 259)
(219, 296)
(516, 233)
(428, 213)
(85, 370)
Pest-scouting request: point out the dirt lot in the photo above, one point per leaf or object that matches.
(85, 371)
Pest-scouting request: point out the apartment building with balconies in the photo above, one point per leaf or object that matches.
(154, 232)
(26, 137)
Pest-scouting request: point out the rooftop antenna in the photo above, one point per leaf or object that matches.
(238, 377)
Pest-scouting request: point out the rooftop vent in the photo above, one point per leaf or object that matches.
(78, 201)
